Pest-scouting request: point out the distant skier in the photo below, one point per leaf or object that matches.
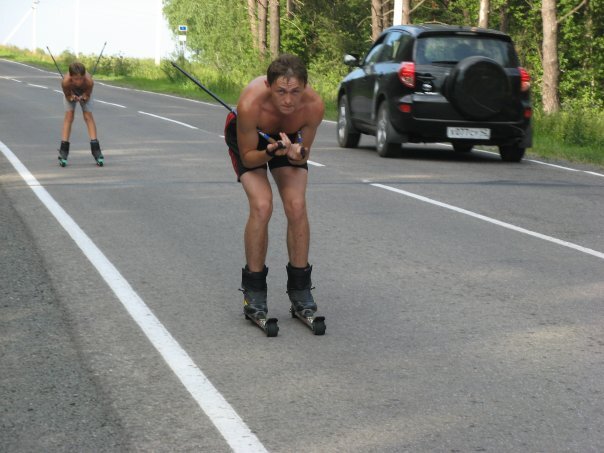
(77, 87)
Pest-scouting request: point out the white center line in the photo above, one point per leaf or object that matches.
(236, 433)
(37, 86)
(316, 164)
(168, 119)
(15, 80)
(110, 103)
(552, 165)
(494, 221)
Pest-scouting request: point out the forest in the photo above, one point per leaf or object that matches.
(560, 43)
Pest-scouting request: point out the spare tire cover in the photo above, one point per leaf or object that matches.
(478, 87)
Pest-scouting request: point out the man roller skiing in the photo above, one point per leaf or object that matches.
(284, 106)
(77, 87)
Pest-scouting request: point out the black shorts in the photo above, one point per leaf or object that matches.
(230, 137)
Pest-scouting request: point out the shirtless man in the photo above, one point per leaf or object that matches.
(282, 105)
(77, 88)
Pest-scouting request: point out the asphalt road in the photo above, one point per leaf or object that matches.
(463, 295)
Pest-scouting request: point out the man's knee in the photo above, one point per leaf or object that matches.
(69, 116)
(88, 117)
(295, 208)
(261, 209)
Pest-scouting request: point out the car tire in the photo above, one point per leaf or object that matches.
(348, 136)
(462, 147)
(383, 133)
(478, 87)
(511, 153)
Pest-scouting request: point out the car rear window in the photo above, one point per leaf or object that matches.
(451, 49)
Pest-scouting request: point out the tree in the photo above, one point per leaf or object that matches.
(483, 15)
(262, 19)
(252, 11)
(275, 27)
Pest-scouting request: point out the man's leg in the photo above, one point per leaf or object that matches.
(260, 198)
(67, 122)
(291, 182)
(91, 125)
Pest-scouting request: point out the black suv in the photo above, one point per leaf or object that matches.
(433, 83)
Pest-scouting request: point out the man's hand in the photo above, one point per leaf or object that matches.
(293, 151)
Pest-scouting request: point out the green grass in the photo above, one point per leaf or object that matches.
(575, 134)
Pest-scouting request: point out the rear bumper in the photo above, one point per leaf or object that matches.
(431, 115)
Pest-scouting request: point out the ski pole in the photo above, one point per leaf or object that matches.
(53, 59)
(99, 59)
(265, 136)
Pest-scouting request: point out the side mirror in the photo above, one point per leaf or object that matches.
(350, 60)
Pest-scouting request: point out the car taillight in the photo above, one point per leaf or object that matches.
(525, 80)
(407, 73)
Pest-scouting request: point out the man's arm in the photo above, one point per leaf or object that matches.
(309, 131)
(65, 86)
(247, 139)
(88, 91)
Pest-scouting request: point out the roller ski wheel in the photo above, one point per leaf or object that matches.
(269, 326)
(95, 149)
(100, 161)
(62, 162)
(63, 153)
(308, 317)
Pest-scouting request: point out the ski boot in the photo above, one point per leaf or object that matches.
(63, 153)
(95, 148)
(254, 300)
(303, 305)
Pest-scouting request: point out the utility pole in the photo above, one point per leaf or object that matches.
(158, 20)
(76, 37)
(398, 12)
(34, 27)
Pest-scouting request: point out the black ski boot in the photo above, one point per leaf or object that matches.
(95, 148)
(303, 305)
(254, 300)
(254, 292)
(63, 153)
(298, 289)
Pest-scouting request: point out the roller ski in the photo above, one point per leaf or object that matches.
(303, 305)
(95, 149)
(254, 301)
(63, 153)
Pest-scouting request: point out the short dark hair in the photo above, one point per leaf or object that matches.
(287, 65)
(77, 68)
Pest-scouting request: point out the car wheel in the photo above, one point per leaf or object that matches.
(478, 87)
(462, 147)
(348, 137)
(383, 136)
(511, 153)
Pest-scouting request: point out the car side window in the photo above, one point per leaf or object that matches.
(396, 47)
(374, 54)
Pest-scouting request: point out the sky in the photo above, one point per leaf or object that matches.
(128, 26)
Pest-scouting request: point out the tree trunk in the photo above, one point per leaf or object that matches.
(483, 15)
(406, 12)
(275, 27)
(386, 14)
(504, 16)
(551, 66)
(290, 8)
(262, 13)
(376, 18)
(251, 12)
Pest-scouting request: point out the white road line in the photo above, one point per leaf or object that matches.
(58, 91)
(315, 164)
(109, 103)
(594, 173)
(15, 80)
(494, 221)
(552, 165)
(28, 66)
(37, 86)
(227, 421)
(160, 94)
(168, 119)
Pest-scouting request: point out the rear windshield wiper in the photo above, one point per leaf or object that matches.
(445, 62)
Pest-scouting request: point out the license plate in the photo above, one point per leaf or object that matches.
(471, 133)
